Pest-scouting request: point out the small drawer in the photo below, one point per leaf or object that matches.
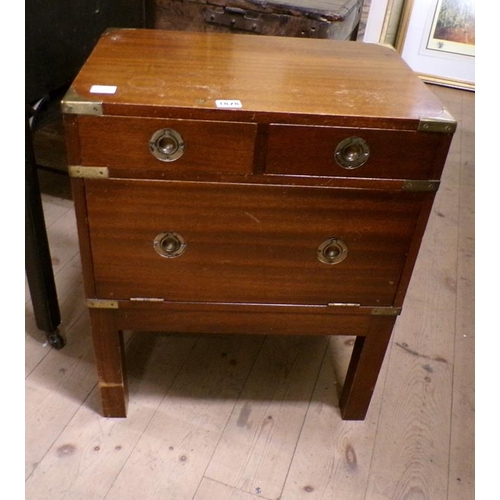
(153, 147)
(344, 152)
(201, 242)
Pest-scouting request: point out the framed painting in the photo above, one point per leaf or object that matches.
(437, 40)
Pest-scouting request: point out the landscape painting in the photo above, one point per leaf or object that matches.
(453, 27)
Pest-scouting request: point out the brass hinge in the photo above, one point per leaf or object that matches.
(234, 17)
(146, 299)
(420, 186)
(88, 172)
(444, 123)
(343, 304)
(101, 304)
(74, 104)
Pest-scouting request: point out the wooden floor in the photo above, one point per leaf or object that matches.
(247, 418)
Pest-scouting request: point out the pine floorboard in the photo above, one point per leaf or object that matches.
(242, 417)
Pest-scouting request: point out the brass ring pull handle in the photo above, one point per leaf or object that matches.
(169, 245)
(166, 144)
(332, 251)
(352, 153)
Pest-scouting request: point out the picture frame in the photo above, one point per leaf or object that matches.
(437, 40)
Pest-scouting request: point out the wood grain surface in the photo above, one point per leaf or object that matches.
(248, 243)
(284, 79)
(393, 154)
(123, 142)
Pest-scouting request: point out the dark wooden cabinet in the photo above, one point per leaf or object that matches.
(60, 35)
(332, 19)
(246, 184)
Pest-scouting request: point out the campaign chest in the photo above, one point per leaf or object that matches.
(229, 183)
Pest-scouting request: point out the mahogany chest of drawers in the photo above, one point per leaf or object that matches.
(230, 183)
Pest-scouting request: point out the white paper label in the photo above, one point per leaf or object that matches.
(228, 103)
(103, 89)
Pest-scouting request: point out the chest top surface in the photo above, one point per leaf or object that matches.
(290, 80)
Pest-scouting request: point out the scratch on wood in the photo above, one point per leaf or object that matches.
(252, 217)
(407, 349)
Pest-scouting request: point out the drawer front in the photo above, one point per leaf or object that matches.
(392, 154)
(243, 243)
(123, 143)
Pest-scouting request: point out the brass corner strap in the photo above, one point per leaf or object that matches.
(101, 304)
(74, 104)
(88, 172)
(114, 304)
(386, 311)
(444, 123)
(374, 311)
(420, 186)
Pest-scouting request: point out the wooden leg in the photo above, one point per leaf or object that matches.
(364, 367)
(109, 353)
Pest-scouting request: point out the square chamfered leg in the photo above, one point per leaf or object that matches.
(110, 360)
(364, 367)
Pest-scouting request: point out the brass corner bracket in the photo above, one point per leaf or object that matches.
(444, 123)
(101, 304)
(386, 311)
(88, 172)
(374, 311)
(74, 104)
(420, 186)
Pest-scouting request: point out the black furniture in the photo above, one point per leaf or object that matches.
(60, 35)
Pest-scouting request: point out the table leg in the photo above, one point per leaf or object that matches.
(364, 367)
(109, 352)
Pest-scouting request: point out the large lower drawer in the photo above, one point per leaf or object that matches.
(248, 243)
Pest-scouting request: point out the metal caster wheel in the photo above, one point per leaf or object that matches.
(56, 340)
